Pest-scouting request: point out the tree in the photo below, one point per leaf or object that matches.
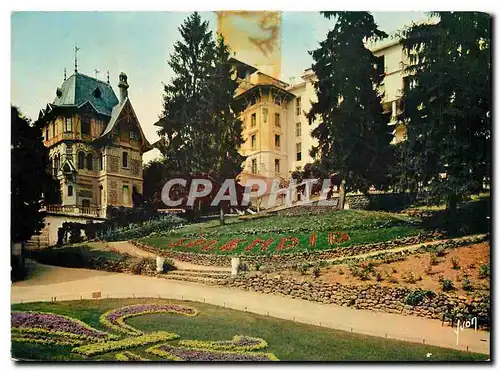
(224, 158)
(186, 98)
(30, 180)
(447, 105)
(201, 117)
(155, 174)
(353, 137)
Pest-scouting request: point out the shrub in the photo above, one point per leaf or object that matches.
(258, 265)
(455, 262)
(394, 270)
(378, 276)
(341, 271)
(447, 285)
(440, 251)
(433, 260)
(415, 297)
(466, 284)
(140, 266)
(316, 271)
(169, 265)
(303, 268)
(410, 277)
(484, 271)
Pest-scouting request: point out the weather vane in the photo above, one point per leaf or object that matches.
(76, 58)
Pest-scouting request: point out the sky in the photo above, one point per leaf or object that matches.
(139, 44)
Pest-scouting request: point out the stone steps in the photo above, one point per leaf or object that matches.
(199, 274)
(207, 277)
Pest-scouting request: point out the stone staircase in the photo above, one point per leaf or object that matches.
(207, 277)
(39, 242)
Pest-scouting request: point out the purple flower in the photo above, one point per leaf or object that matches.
(204, 355)
(54, 323)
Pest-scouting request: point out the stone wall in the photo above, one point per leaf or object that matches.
(357, 202)
(370, 296)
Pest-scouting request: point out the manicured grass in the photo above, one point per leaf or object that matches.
(288, 340)
(362, 227)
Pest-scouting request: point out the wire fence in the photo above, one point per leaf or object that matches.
(480, 342)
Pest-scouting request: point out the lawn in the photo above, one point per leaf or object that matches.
(287, 340)
(361, 227)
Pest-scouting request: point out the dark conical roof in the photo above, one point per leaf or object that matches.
(79, 89)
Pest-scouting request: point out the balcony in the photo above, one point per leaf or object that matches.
(95, 212)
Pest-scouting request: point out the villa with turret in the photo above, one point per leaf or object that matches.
(95, 144)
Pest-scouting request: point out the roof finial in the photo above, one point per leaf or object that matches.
(108, 76)
(76, 58)
(65, 74)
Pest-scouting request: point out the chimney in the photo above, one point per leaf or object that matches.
(123, 86)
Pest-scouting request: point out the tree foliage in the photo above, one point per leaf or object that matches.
(447, 103)
(30, 181)
(354, 139)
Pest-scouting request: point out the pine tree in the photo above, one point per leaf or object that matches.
(185, 113)
(354, 139)
(225, 160)
(447, 100)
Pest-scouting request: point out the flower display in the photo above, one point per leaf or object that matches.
(263, 244)
(312, 240)
(173, 353)
(20, 337)
(231, 244)
(114, 319)
(287, 243)
(239, 342)
(129, 356)
(55, 324)
(130, 342)
(337, 237)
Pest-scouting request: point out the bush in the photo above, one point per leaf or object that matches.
(316, 271)
(484, 271)
(455, 262)
(341, 272)
(440, 251)
(433, 260)
(378, 276)
(415, 297)
(303, 268)
(447, 285)
(140, 266)
(410, 277)
(466, 284)
(258, 265)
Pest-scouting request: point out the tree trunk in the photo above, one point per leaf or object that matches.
(221, 216)
(342, 195)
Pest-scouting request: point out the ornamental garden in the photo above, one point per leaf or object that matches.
(166, 330)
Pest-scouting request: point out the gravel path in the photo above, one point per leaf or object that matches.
(72, 284)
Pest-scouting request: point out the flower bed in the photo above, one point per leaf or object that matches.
(239, 342)
(110, 346)
(56, 325)
(114, 319)
(203, 355)
(20, 337)
(129, 356)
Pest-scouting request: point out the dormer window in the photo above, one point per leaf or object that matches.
(68, 126)
(85, 125)
(97, 93)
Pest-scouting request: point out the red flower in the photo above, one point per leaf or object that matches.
(231, 244)
(312, 240)
(209, 245)
(287, 243)
(177, 243)
(263, 244)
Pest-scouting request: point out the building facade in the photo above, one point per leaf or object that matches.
(95, 144)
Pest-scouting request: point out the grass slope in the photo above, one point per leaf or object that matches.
(290, 341)
(362, 227)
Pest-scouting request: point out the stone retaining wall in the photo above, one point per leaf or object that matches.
(371, 296)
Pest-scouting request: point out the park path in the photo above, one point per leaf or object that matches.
(72, 284)
(129, 248)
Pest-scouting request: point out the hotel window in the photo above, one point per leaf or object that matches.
(81, 160)
(47, 132)
(125, 159)
(253, 120)
(85, 125)
(89, 161)
(276, 166)
(298, 151)
(254, 166)
(70, 191)
(53, 128)
(298, 104)
(380, 65)
(265, 112)
(277, 100)
(101, 161)
(298, 129)
(277, 119)
(68, 125)
(277, 141)
(253, 101)
(254, 141)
